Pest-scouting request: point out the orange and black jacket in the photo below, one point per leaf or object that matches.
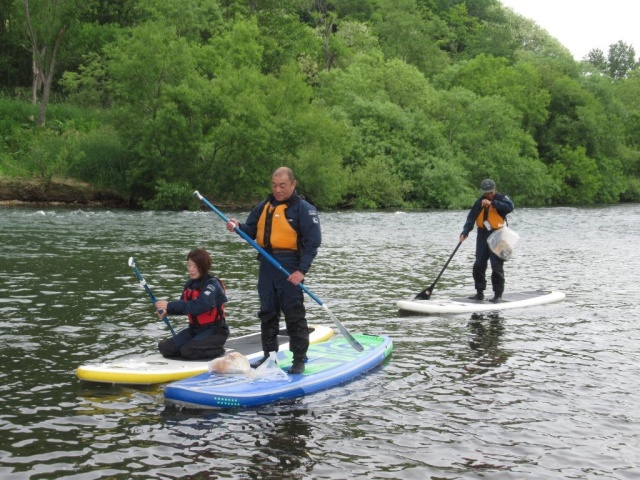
(202, 300)
(298, 231)
(501, 205)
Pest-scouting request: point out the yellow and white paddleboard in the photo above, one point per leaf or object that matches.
(154, 368)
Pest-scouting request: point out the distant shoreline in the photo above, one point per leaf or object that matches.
(56, 192)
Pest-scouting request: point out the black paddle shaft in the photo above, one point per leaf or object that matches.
(426, 293)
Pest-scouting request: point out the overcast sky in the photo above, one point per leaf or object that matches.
(582, 25)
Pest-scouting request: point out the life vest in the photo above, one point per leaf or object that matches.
(492, 216)
(213, 315)
(274, 231)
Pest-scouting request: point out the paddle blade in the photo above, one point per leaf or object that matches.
(424, 295)
(132, 262)
(345, 333)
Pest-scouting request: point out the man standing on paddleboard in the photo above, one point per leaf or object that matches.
(489, 213)
(288, 228)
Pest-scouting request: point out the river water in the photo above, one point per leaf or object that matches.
(544, 392)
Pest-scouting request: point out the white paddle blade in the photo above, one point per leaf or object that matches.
(132, 262)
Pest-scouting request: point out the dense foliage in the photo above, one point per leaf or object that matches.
(373, 103)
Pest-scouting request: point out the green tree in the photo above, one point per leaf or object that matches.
(148, 72)
(209, 114)
(578, 175)
(519, 84)
(621, 59)
(584, 137)
(497, 35)
(354, 39)
(355, 10)
(15, 66)
(597, 59)
(372, 186)
(47, 22)
(285, 39)
(266, 121)
(404, 34)
(627, 92)
(123, 13)
(485, 132)
(532, 40)
(462, 27)
(194, 20)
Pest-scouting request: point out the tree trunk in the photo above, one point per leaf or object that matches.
(48, 78)
(43, 65)
(326, 20)
(37, 78)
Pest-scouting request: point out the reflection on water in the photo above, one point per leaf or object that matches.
(486, 330)
(544, 392)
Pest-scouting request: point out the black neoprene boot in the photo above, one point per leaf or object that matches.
(297, 366)
(478, 296)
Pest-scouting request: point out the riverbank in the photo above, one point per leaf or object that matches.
(57, 191)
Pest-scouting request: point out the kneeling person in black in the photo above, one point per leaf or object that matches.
(203, 300)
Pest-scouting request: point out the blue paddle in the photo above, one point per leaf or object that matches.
(354, 343)
(143, 282)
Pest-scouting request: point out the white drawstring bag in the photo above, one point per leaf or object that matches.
(502, 242)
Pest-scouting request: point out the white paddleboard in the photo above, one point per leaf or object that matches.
(153, 368)
(466, 305)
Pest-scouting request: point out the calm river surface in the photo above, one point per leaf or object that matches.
(545, 392)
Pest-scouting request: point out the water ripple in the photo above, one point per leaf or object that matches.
(546, 392)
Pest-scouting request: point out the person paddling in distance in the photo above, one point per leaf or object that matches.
(203, 300)
(488, 213)
(288, 227)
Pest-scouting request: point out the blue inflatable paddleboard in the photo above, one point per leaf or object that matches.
(329, 364)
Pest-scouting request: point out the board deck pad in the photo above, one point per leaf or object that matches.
(153, 368)
(329, 364)
(461, 304)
